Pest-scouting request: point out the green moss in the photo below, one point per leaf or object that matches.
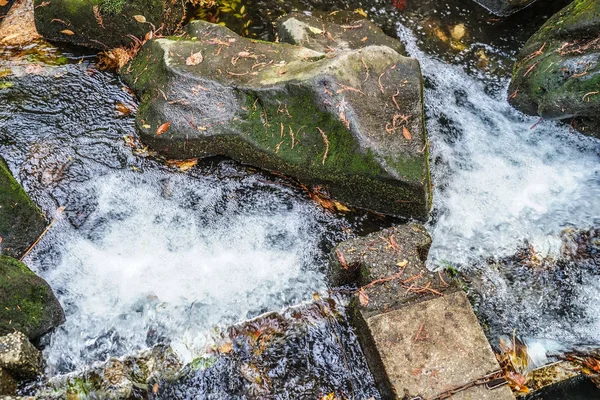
(112, 7)
(293, 132)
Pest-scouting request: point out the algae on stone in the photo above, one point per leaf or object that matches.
(27, 303)
(351, 123)
(21, 221)
(105, 24)
(557, 75)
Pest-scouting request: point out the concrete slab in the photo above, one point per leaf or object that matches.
(430, 347)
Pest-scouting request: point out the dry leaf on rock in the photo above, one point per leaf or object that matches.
(139, 18)
(194, 59)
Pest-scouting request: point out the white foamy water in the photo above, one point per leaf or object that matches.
(497, 180)
(165, 257)
(501, 178)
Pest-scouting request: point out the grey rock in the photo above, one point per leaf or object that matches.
(327, 32)
(19, 357)
(350, 123)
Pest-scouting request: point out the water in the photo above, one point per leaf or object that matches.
(144, 254)
(501, 178)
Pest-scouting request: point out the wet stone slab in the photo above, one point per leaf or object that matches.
(435, 346)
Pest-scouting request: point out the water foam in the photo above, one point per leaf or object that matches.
(500, 177)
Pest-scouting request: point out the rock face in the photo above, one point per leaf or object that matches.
(27, 303)
(19, 357)
(328, 32)
(557, 75)
(4, 8)
(350, 122)
(8, 386)
(417, 328)
(505, 7)
(105, 24)
(21, 222)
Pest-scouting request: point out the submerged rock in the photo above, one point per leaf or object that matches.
(505, 7)
(21, 221)
(327, 32)
(27, 303)
(557, 75)
(105, 24)
(19, 357)
(350, 123)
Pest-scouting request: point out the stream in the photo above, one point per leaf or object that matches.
(142, 253)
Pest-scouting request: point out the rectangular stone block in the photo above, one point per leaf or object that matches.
(430, 348)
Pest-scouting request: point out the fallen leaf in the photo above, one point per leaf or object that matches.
(3, 3)
(67, 32)
(360, 12)
(163, 128)
(315, 30)
(225, 348)
(402, 263)
(123, 109)
(340, 207)
(146, 126)
(139, 18)
(155, 388)
(194, 59)
(184, 165)
(406, 133)
(363, 298)
(342, 259)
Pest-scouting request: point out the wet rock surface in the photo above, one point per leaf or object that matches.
(27, 302)
(326, 32)
(105, 24)
(505, 7)
(350, 124)
(558, 287)
(19, 357)
(8, 386)
(556, 75)
(389, 266)
(307, 351)
(21, 221)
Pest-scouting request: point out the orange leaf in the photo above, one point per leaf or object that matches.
(406, 133)
(67, 32)
(3, 3)
(163, 128)
(194, 59)
(342, 259)
(123, 109)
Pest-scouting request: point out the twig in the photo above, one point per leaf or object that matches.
(59, 211)
(324, 136)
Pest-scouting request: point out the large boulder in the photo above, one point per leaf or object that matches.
(505, 7)
(27, 303)
(350, 123)
(557, 75)
(105, 24)
(21, 221)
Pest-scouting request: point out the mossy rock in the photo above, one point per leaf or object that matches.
(21, 221)
(105, 24)
(505, 7)
(557, 75)
(27, 303)
(351, 123)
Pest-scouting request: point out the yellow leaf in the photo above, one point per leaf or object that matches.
(360, 12)
(67, 32)
(194, 59)
(315, 30)
(402, 263)
(139, 18)
(225, 348)
(3, 3)
(146, 126)
(340, 207)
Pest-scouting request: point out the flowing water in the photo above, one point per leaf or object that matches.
(143, 253)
